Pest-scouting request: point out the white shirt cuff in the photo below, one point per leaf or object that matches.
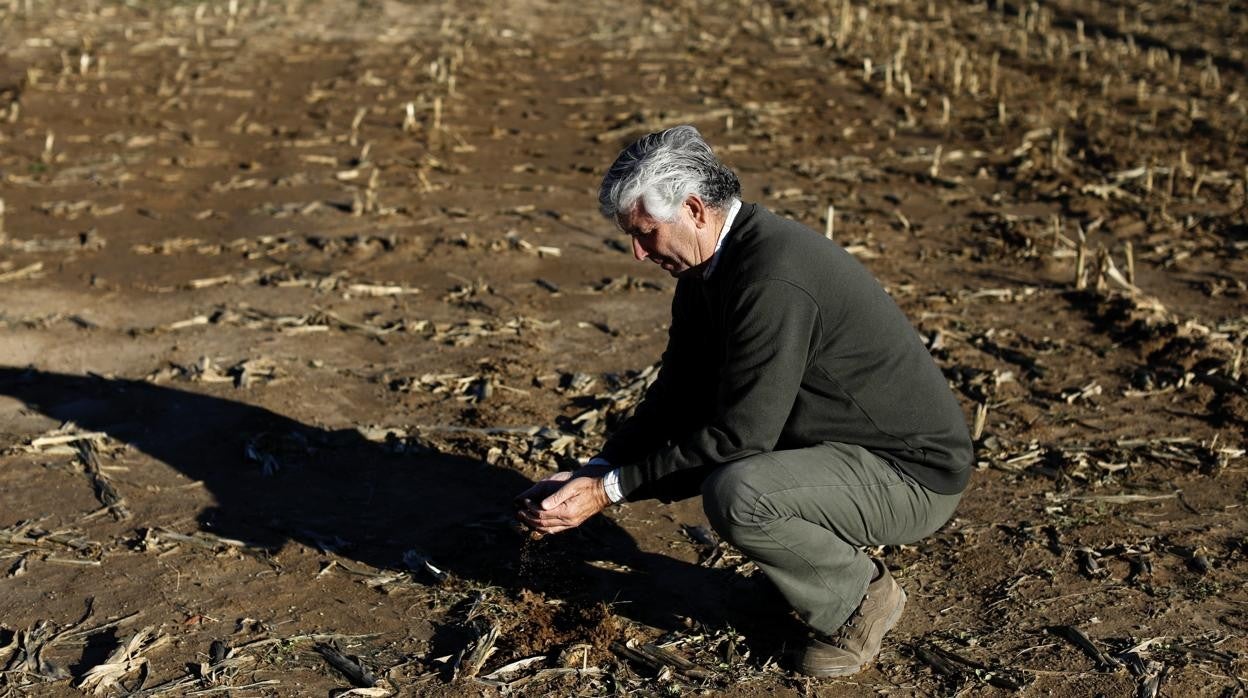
(610, 481)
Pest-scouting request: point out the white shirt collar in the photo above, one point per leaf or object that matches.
(723, 234)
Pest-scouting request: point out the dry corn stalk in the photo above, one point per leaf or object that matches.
(125, 660)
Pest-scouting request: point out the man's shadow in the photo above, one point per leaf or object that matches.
(373, 502)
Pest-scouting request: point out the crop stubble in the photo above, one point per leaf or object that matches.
(300, 294)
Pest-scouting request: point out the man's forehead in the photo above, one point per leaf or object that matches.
(632, 216)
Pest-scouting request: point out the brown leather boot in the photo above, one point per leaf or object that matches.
(858, 641)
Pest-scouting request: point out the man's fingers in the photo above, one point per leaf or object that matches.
(544, 518)
(558, 497)
(548, 526)
(563, 509)
(563, 494)
(548, 521)
(542, 488)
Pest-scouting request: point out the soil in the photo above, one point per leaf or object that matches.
(327, 283)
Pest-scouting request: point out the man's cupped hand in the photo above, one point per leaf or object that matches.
(562, 501)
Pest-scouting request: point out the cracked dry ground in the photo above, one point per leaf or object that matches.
(288, 288)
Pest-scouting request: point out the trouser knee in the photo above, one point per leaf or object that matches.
(733, 503)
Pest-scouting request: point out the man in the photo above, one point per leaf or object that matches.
(794, 395)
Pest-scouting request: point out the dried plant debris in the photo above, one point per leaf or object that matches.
(619, 284)
(960, 669)
(1149, 675)
(63, 439)
(251, 318)
(522, 447)
(700, 657)
(464, 333)
(659, 659)
(470, 389)
(1179, 353)
(418, 561)
(509, 670)
(288, 209)
(471, 295)
(349, 666)
(242, 374)
(26, 272)
(724, 556)
(849, 168)
(469, 660)
(509, 242)
(610, 408)
(43, 322)
(1152, 660)
(220, 674)
(86, 241)
(373, 692)
(387, 582)
(105, 491)
(217, 675)
(24, 654)
(576, 383)
(526, 638)
(999, 233)
(1098, 461)
(274, 245)
(1139, 558)
(160, 540)
(29, 533)
(290, 277)
(129, 658)
(70, 210)
(172, 246)
(1080, 639)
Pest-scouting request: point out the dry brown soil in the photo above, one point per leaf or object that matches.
(314, 273)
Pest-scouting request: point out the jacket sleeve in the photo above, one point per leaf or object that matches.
(772, 328)
(667, 409)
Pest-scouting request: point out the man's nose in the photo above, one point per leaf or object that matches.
(639, 252)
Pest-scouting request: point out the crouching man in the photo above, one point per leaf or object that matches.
(794, 396)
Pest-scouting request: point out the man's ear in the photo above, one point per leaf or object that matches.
(697, 209)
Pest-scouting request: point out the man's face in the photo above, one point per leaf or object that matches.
(677, 246)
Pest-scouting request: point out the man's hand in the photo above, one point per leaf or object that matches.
(563, 501)
(541, 490)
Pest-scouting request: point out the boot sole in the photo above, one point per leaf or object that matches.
(850, 671)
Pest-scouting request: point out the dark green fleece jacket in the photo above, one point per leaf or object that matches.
(788, 344)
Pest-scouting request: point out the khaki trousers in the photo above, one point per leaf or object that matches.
(803, 515)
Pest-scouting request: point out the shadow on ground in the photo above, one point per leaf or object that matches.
(371, 502)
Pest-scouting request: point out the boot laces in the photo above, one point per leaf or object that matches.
(852, 623)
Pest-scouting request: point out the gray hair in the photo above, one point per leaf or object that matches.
(662, 169)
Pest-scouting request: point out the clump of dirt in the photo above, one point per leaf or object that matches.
(551, 614)
(539, 625)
